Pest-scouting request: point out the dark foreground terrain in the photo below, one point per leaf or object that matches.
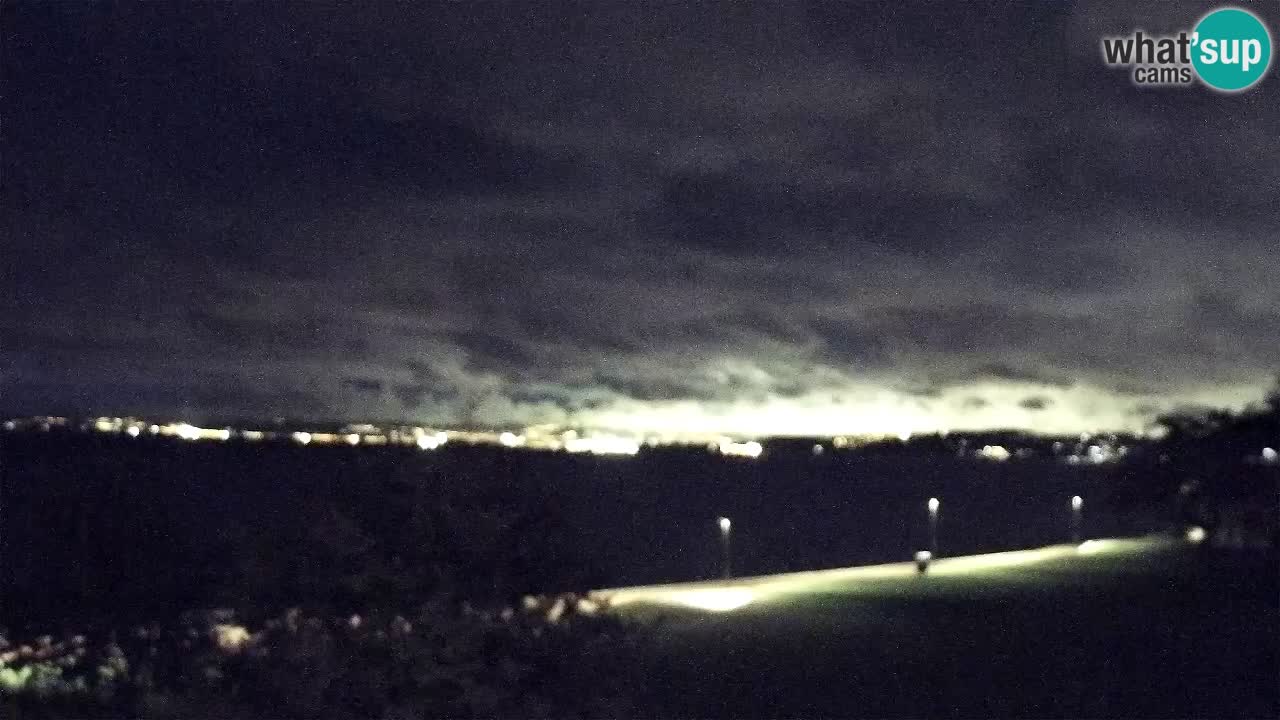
(1174, 631)
(164, 578)
(109, 527)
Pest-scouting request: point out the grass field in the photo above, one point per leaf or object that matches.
(1119, 628)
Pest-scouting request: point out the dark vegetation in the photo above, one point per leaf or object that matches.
(1211, 464)
(437, 661)
(359, 583)
(139, 529)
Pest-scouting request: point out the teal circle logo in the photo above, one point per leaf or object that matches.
(1231, 49)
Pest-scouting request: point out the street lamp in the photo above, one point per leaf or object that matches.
(1077, 518)
(726, 559)
(933, 525)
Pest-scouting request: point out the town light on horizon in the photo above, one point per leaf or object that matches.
(997, 453)
(430, 442)
(602, 445)
(749, 449)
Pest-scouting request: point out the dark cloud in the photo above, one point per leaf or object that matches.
(494, 213)
(413, 397)
(209, 399)
(1035, 403)
(725, 212)
(1001, 371)
(661, 388)
(921, 391)
(846, 342)
(489, 352)
(364, 386)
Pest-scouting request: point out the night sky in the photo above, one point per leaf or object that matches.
(809, 217)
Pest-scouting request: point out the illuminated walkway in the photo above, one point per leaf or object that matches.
(728, 595)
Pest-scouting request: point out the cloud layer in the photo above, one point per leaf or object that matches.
(818, 217)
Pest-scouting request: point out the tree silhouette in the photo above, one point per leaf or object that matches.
(1215, 463)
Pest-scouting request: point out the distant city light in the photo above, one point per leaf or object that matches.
(934, 505)
(430, 442)
(1196, 534)
(725, 524)
(186, 431)
(997, 453)
(1103, 448)
(1077, 502)
(602, 445)
(1269, 455)
(751, 449)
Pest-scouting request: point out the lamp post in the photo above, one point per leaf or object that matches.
(726, 557)
(933, 525)
(1077, 518)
